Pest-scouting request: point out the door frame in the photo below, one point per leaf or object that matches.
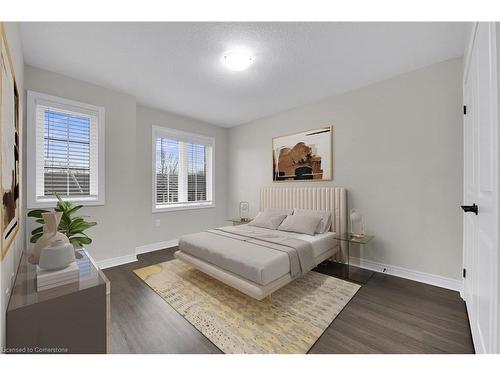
(467, 58)
(495, 94)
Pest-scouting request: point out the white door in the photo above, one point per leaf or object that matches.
(481, 187)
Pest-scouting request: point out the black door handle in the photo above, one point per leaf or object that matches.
(472, 208)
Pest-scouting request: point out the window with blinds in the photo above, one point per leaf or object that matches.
(66, 151)
(182, 170)
(167, 171)
(66, 157)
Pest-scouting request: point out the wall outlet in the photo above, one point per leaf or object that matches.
(157, 222)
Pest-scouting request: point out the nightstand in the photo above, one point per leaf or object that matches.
(239, 221)
(345, 270)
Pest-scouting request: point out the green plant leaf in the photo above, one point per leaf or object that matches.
(65, 221)
(35, 237)
(72, 210)
(37, 230)
(81, 240)
(61, 205)
(40, 221)
(74, 224)
(80, 226)
(37, 213)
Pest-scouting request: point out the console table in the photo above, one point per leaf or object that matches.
(73, 318)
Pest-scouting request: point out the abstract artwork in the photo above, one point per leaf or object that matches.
(9, 155)
(303, 156)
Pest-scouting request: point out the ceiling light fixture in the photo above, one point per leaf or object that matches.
(237, 60)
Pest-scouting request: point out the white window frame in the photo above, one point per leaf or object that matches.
(160, 131)
(33, 98)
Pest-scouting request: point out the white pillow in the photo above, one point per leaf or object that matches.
(279, 211)
(267, 220)
(300, 224)
(325, 216)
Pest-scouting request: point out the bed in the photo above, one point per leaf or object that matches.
(258, 261)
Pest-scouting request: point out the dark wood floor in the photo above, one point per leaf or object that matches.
(387, 315)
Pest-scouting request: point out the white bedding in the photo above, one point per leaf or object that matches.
(261, 265)
(320, 242)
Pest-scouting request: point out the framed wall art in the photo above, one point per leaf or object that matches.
(304, 156)
(10, 148)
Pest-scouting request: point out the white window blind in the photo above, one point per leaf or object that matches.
(67, 154)
(167, 171)
(182, 170)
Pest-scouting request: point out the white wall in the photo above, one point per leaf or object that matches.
(115, 234)
(398, 151)
(176, 223)
(126, 220)
(8, 265)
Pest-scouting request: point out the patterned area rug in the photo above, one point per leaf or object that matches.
(289, 322)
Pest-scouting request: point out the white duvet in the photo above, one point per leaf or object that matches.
(259, 262)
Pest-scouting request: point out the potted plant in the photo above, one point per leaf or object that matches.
(70, 225)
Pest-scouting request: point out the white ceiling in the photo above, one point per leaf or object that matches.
(176, 66)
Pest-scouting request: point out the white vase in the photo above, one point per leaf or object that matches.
(57, 255)
(50, 234)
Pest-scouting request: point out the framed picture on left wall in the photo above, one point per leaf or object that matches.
(10, 148)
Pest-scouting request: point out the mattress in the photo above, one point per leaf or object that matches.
(262, 265)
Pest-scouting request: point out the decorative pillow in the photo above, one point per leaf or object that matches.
(267, 220)
(279, 211)
(325, 216)
(300, 224)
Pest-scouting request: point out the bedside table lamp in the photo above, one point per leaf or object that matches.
(357, 223)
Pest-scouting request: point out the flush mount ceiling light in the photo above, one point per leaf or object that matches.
(237, 60)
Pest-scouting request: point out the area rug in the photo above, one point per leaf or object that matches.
(291, 321)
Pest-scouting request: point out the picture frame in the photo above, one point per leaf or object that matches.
(304, 156)
(10, 149)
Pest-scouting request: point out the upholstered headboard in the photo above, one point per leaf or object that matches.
(332, 199)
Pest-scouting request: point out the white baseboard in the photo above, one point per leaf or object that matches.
(156, 246)
(423, 277)
(113, 262)
(405, 273)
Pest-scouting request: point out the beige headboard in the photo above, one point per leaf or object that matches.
(332, 199)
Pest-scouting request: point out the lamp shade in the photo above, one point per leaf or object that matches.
(356, 215)
(357, 222)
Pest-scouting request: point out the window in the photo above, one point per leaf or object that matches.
(182, 170)
(65, 151)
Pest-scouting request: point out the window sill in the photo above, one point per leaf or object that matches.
(51, 203)
(182, 207)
